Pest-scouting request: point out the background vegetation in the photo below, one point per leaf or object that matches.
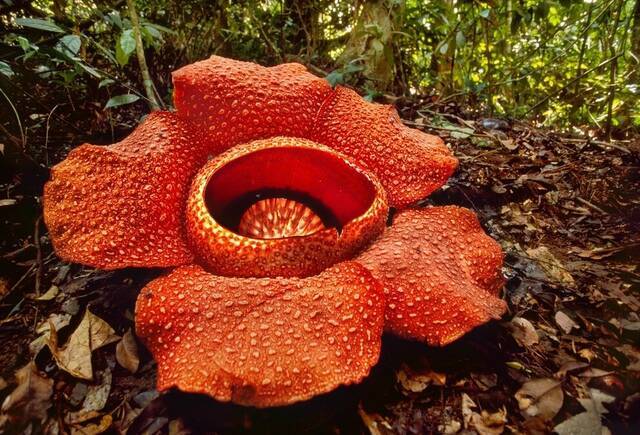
(570, 65)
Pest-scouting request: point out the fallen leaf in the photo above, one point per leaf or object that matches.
(415, 382)
(127, 352)
(373, 422)
(485, 423)
(177, 427)
(4, 288)
(590, 421)
(75, 357)
(30, 399)
(94, 428)
(551, 265)
(467, 411)
(450, 428)
(485, 381)
(57, 321)
(523, 332)
(565, 322)
(594, 372)
(97, 395)
(509, 144)
(570, 366)
(50, 294)
(540, 397)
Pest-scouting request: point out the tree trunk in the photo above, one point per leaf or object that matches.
(634, 62)
(371, 41)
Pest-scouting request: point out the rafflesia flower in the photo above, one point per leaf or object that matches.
(268, 192)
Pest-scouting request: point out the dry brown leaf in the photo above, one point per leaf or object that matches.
(30, 399)
(95, 428)
(565, 322)
(55, 321)
(4, 288)
(75, 357)
(551, 265)
(373, 422)
(540, 397)
(415, 382)
(450, 428)
(50, 294)
(590, 421)
(489, 423)
(485, 423)
(523, 332)
(94, 401)
(127, 352)
(467, 411)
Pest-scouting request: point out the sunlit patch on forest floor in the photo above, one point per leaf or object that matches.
(567, 213)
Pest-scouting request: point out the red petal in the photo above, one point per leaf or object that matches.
(235, 102)
(262, 341)
(441, 274)
(122, 205)
(409, 163)
(354, 197)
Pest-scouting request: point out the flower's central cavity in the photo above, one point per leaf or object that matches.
(287, 192)
(282, 207)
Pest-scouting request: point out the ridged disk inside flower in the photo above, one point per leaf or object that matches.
(276, 218)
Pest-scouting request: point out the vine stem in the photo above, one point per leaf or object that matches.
(142, 61)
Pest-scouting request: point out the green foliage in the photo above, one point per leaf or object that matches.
(562, 63)
(121, 100)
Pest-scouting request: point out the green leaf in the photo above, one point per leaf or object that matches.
(160, 28)
(114, 19)
(5, 69)
(105, 82)
(90, 70)
(35, 23)
(121, 100)
(24, 43)
(125, 46)
(444, 47)
(485, 13)
(335, 78)
(377, 46)
(152, 32)
(69, 45)
(460, 39)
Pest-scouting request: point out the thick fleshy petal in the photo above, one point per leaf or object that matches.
(262, 341)
(123, 205)
(441, 274)
(352, 197)
(409, 163)
(234, 102)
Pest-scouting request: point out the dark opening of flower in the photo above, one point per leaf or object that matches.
(286, 273)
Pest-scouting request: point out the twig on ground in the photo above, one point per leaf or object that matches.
(39, 265)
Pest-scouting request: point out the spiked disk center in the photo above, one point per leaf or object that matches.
(275, 218)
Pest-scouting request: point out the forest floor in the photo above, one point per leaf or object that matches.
(566, 356)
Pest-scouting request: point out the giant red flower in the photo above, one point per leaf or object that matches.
(268, 192)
